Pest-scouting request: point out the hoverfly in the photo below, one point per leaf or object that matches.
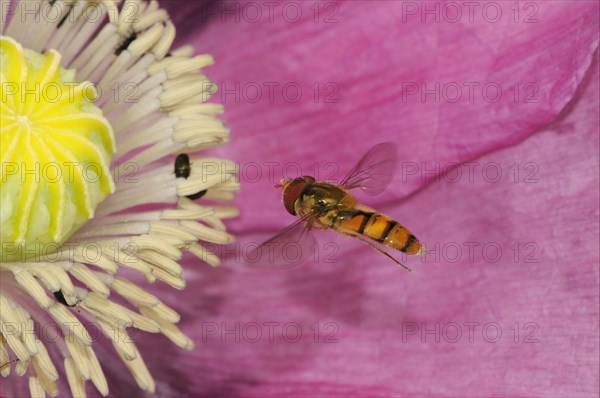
(325, 205)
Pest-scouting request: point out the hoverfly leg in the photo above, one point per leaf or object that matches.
(379, 250)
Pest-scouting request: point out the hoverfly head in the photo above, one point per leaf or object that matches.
(292, 190)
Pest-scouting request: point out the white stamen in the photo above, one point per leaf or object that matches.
(133, 293)
(79, 355)
(28, 338)
(43, 361)
(161, 311)
(63, 316)
(35, 290)
(4, 359)
(207, 234)
(106, 309)
(35, 388)
(87, 277)
(118, 336)
(14, 342)
(205, 255)
(76, 381)
(139, 370)
(175, 281)
(48, 384)
(96, 373)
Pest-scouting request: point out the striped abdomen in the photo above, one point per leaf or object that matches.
(379, 228)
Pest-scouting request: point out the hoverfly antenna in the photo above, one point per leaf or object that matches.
(281, 183)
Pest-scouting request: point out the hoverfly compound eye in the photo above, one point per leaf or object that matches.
(292, 192)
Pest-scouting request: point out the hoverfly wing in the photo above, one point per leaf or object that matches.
(374, 170)
(291, 246)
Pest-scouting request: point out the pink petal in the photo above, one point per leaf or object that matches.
(541, 293)
(369, 61)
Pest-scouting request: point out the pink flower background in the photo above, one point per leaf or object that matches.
(368, 328)
(540, 290)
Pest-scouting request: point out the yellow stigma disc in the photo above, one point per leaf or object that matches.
(55, 149)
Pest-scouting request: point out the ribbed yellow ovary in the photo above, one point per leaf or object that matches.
(55, 149)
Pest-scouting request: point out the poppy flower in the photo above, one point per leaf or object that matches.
(493, 110)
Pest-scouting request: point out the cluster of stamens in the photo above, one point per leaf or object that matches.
(73, 248)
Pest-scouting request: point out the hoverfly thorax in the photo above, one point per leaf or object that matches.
(292, 190)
